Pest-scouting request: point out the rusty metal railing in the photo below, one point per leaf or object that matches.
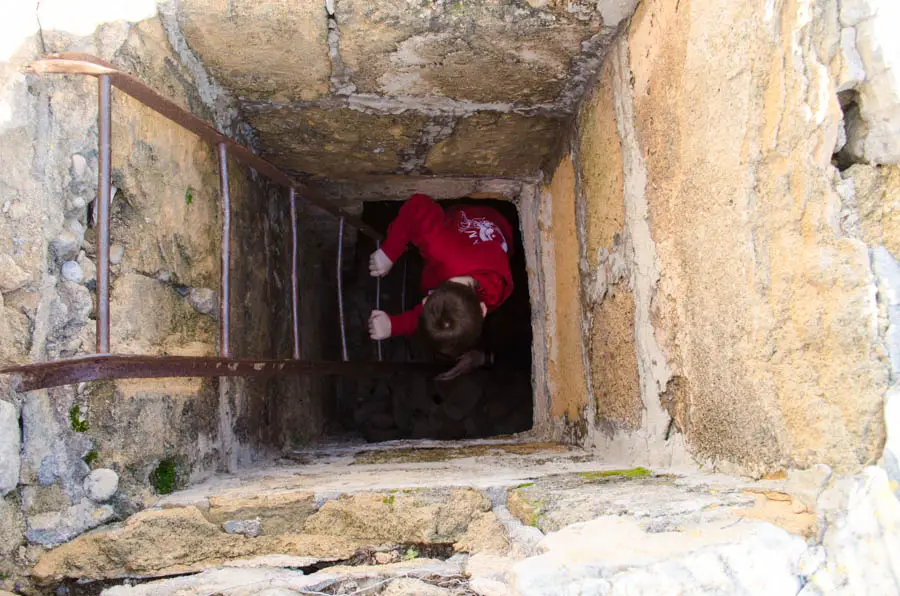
(106, 365)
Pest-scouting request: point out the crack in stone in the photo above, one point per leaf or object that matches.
(412, 160)
(340, 73)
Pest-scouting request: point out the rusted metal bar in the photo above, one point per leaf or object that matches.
(104, 126)
(86, 64)
(378, 301)
(295, 289)
(340, 289)
(96, 367)
(225, 286)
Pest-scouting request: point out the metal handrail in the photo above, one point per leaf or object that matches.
(105, 365)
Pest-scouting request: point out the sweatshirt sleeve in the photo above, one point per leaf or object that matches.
(406, 323)
(418, 217)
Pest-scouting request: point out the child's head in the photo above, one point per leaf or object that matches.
(452, 319)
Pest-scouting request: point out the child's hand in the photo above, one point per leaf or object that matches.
(379, 325)
(379, 264)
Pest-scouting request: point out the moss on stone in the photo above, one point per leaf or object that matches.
(165, 477)
(525, 485)
(91, 457)
(79, 424)
(638, 472)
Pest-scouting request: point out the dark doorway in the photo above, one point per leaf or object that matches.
(488, 402)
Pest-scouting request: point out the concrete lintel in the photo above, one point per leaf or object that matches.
(398, 188)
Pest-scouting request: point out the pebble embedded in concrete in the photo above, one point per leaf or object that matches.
(204, 300)
(101, 484)
(247, 527)
(79, 165)
(65, 246)
(71, 271)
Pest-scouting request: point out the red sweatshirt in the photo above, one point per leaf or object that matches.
(464, 240)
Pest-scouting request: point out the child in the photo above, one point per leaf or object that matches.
(466, 273)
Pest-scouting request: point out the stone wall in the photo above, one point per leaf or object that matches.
(738, 281)
(156, 435)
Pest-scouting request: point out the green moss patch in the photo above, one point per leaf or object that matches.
(79, 423)
(165, 477)
(638, 472)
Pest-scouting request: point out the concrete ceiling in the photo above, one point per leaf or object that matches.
(342, 89)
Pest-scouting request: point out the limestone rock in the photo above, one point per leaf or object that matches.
(279, 513)
(51, 529)
(171, 541)
(101, 484)
(204, 300)
(12, 277)
(408, 586)
(10, 444)
(247, 527)
(862, 536)
(807, 485)
(612, 555)
(440, 516)
(71, 271)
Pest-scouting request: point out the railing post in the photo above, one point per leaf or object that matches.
(378, 300)
(225, 289)
(295, 291)
(104, 117)
(340, 289)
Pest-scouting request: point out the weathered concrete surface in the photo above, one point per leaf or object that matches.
(336, 143)
(435, 49)
(276, 51)
(500, 144)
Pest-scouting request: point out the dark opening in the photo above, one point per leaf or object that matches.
(489, 402)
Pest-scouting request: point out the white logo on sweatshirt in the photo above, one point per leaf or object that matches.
(481, 229)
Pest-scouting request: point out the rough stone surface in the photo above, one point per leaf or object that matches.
(503, 144)
(51, 529)
(747, 279)
(277, 513)
(276, 51)
(12, 277)
(413, 587)
(71, 271)
(612, 555)
(401, 517)
(247, 527)
(337, 143)
(101, 484)
(861, 539)
(10, 443)
(438, 49)
(12, 527)
(204, 300)
(165, 542)
(872, 210)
